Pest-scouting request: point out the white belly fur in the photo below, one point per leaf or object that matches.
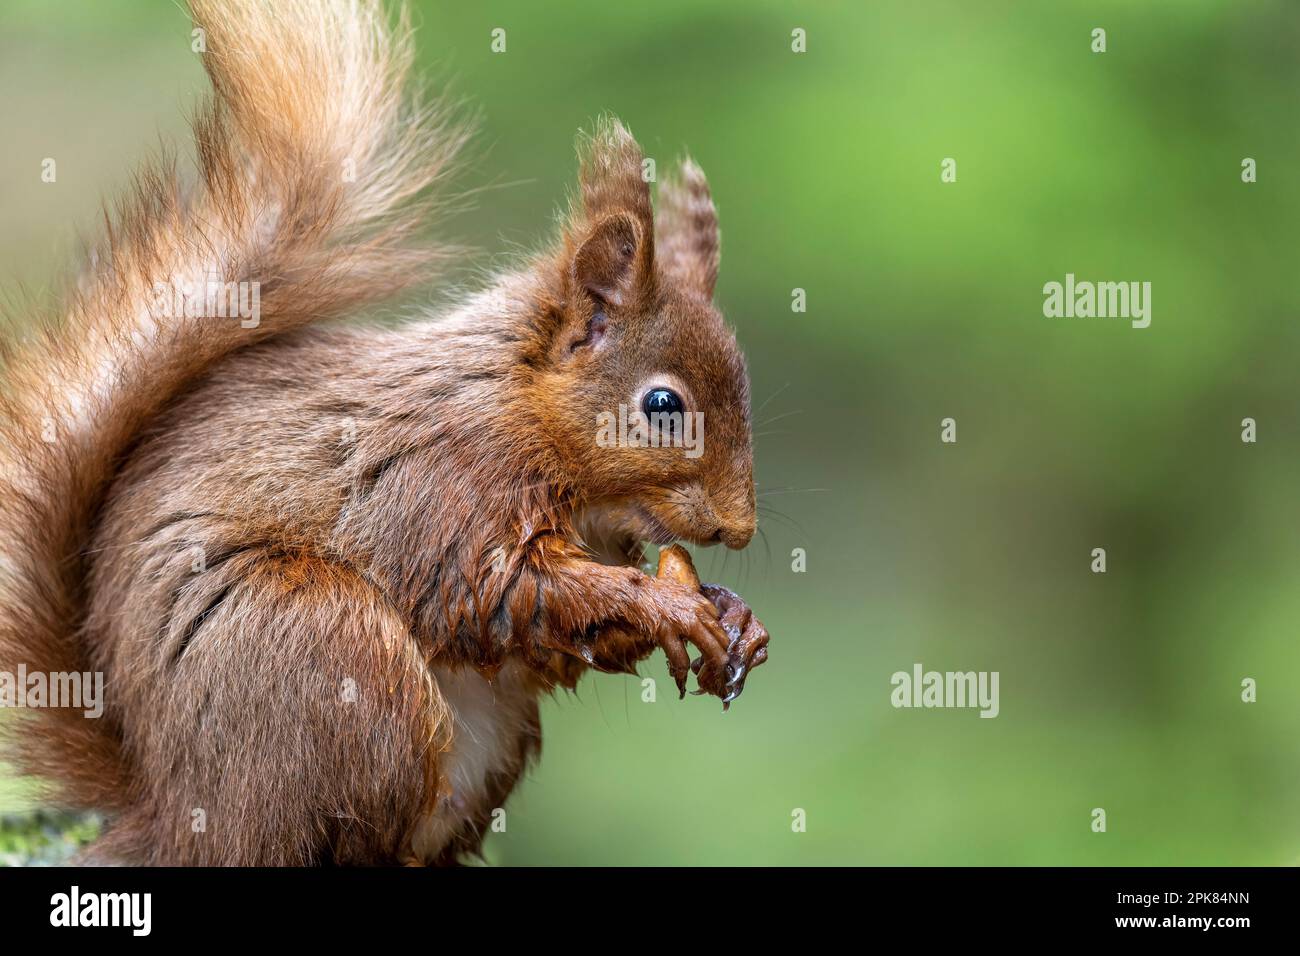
(488, 719)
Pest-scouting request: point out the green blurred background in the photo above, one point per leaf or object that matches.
(1119, 691)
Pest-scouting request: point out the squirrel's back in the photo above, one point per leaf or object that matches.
(315, 167)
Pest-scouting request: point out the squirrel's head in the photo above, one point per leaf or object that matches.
(641, 383)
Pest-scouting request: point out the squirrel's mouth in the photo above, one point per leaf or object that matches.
(609, 531)
(616, 532)
(652, 530)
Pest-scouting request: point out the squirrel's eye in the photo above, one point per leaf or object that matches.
(662, 401)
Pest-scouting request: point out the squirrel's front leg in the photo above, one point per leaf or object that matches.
(613, 616)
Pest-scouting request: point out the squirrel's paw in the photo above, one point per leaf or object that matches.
(747, 639)
(688, 616)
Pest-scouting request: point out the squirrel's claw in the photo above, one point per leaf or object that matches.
(748, 638)
(679, 662)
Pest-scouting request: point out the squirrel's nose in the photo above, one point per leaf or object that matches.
(736, 536)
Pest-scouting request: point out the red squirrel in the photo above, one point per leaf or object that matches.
(327, 569)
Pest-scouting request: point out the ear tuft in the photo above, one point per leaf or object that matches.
(609, 238)
(611, 174)
(687, 238)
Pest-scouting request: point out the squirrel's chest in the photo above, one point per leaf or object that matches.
(495, 730)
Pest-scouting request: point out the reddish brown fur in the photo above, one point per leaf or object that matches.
(348, 488)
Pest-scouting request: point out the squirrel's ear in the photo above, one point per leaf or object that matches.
(611, 236)
(686, 231)
(607, 264)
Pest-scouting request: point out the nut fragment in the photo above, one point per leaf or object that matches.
(675, 565)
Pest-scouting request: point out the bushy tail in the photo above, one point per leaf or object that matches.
(315, 171)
